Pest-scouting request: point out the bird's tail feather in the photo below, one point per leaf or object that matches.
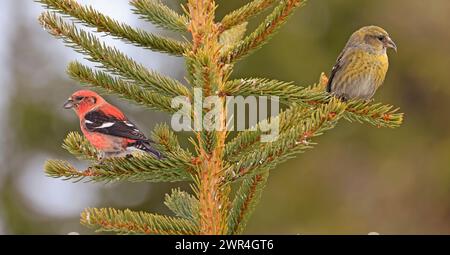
(144, 145)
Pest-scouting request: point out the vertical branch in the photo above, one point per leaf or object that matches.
(204, 58)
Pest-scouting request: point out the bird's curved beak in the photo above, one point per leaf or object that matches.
(390, 44)
(68, 104)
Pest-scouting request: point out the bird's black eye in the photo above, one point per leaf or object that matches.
(381, 37)
(79, 98)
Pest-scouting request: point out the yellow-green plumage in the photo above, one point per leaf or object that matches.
(362, 65)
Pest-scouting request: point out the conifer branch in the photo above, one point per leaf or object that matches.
(209, 73)
(61, 169)
(80, 147)
(183, 205)
(102, 23)
(160, 15)
(250, 140)
(263, 32)
(289, 143)
(287, 92)
(208, 141)
(110, 58)
(175, 166)
(244, 13)
(168, 142)
(141, 168)
(203, 74)
(245, 201)
(375, 114)
(130, 222)
(124, 89)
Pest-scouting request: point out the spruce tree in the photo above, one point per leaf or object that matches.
(218, 160)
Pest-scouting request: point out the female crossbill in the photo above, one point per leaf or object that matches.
(362, 65)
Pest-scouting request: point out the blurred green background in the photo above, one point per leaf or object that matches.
(358, 179)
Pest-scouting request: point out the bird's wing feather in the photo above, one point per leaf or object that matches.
(335, 69)
(99, 121)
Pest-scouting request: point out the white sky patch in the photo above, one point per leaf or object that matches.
(127, 195)
(55, 197)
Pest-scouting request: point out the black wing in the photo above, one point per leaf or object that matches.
(335, 69)
(98, 121)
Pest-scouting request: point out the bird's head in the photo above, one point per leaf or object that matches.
(372, 38)
(83, 101)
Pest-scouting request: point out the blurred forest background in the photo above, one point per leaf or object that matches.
(358, 179)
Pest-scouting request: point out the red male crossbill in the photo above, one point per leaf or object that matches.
(106, 127)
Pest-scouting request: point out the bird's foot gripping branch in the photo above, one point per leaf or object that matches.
(216, 161)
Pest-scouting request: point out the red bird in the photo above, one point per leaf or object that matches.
(106, 127)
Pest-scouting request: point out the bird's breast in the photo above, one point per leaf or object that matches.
(379, 69)
(361, 75)
(103, 142)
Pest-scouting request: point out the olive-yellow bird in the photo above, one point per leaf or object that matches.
(362, 65)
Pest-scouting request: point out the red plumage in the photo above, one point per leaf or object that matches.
(106, 127)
